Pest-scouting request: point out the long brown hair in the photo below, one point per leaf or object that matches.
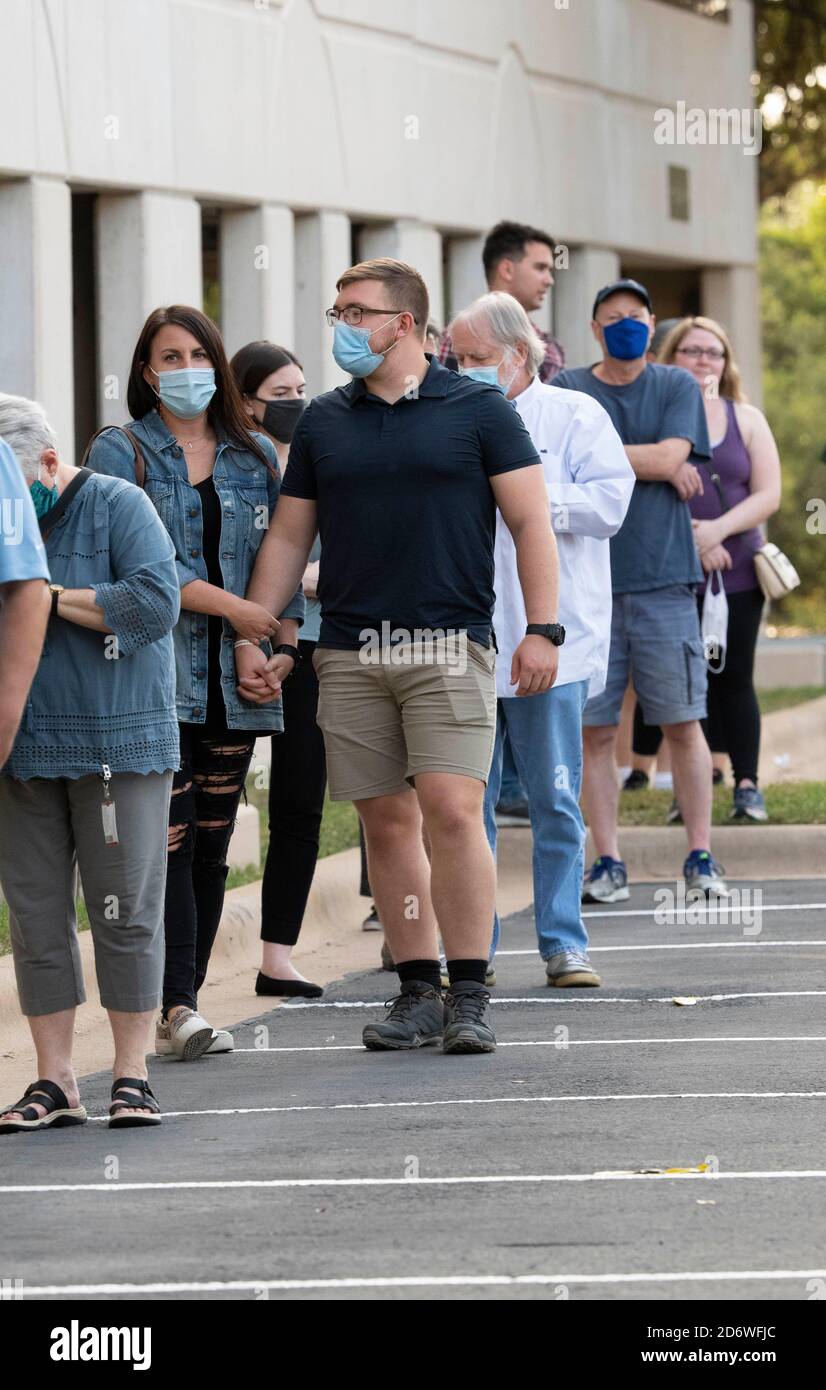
(731, 387)
(225, 411)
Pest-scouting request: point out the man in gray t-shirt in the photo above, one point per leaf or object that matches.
(655, 630)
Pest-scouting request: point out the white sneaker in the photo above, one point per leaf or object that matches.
(188, 1036)
(222, 1042)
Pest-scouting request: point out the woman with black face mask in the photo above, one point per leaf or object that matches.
(271, 382)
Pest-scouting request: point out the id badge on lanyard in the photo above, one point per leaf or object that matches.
(107, 809)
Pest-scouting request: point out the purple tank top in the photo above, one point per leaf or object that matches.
(731, 460)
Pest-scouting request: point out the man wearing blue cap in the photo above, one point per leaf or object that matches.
(658, 413)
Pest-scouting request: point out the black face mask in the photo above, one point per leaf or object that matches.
(281, 417)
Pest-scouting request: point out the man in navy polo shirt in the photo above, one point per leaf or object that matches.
(401, 472)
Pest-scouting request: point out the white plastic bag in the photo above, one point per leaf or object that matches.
(714, 625)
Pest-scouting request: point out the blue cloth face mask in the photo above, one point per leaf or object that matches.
(351, 348)
(187, 391)
(627, 339)
(43, 498)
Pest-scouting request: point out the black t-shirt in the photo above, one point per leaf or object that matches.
(406, 513)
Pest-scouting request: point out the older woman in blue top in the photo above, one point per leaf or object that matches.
(214, 483)
(89, 777)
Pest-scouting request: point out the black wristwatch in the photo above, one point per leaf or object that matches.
(286, 650)
(554, 632)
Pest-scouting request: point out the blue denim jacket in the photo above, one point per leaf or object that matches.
(248, 493)
(94, 700)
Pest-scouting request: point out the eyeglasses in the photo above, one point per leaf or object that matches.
(713, 354)
(353, 314)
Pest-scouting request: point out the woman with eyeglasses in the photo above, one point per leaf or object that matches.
(726, 518)
(214, 482)
(271, 382)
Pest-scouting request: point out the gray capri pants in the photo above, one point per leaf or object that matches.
(49, 825)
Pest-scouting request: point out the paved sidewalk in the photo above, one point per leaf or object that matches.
(291, 1172)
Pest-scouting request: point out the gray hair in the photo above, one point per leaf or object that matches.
(506, 322)
(26, 430)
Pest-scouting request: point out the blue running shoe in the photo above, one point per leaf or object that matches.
(607, 881)
(704, 876)
(749, 804)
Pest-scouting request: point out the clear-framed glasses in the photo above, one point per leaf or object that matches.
(713, 354)
(352, 314)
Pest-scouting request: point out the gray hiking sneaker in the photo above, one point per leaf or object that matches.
(416, 1019)
(467, 1019)
(571, 970)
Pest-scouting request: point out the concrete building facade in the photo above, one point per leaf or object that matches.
(241, 153)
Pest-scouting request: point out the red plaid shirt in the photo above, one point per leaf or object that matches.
(552, 363)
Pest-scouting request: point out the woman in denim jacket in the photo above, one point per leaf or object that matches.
(214, 484)
(89, 776)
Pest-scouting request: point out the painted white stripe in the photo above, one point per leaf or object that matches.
(487, 1179)
(555, 999)
(578, 1042)
(423, 1281)
(678, 946)
(484, 1100)
(719, 906)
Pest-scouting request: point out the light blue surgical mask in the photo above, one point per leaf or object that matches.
(187, 391)
(490, 375)
(351, 348)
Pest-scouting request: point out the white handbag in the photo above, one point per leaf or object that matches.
(714, 623)
(775, 572)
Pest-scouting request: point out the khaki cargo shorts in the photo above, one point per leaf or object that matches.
(384, 722)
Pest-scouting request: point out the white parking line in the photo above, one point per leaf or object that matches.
(571, 1042)
(487, 1179)
(719, 906)
(483, 1100)
(423, 1281)
(677, 946)
(555, 999)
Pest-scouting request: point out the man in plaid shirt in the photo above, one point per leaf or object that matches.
(518, 259)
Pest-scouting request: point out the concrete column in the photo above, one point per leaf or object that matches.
(36, 354)
(322, 254)
(730, 295)
(257, 275)
(574, 290)
(416, 243)
(465, 272)
(148, 255)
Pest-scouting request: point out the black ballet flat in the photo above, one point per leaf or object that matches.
(265, 984)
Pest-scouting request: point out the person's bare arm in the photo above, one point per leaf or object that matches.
(279, 565)
(80, 606)
(666, 462)
(24, 615)
(522, 498)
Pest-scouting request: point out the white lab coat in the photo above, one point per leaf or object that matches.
(589, 481)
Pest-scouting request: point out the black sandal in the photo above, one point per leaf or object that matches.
(122, 1100)
(59, 1113)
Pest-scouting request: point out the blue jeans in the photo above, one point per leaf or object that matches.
(511, 791)
(545, 733)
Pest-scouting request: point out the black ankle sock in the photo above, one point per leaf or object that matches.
(474, 970)
(428, 971)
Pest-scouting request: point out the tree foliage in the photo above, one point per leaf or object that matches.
(793, 289)
(790, 39)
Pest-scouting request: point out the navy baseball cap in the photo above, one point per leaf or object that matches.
(630, 286)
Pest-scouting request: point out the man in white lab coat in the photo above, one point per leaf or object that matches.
(589, 481)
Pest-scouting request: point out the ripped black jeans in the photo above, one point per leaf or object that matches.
(205, 796)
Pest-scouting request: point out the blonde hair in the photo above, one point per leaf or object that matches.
(731, 386)
(404, 285)
(507, 323)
